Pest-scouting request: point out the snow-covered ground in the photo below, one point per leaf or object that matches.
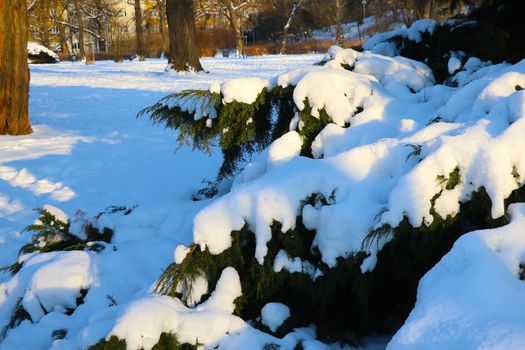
(89, 151)
(360, 31)
(393, 145)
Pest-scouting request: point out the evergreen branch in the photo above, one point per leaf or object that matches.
(416, 151)
(374, 235)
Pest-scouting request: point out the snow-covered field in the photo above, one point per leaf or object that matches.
(89, 151)
(397, 147)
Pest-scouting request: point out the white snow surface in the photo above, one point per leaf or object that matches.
(274, 314)
(473, 298)
(144, 320)
(35, 49)
(88, 151)
(367, 166)
(378, 43)
(393, 132)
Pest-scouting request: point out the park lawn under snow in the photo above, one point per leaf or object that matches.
(89, 151)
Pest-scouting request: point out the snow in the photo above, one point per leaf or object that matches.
(473, 298)
(273, 315)
(88, 151)
(243, 90)
(393, 135)
(354, 30)
(454, 64)
(36, 49)
(144, 320)
(378, 43)
(56, 212)
(56, 285)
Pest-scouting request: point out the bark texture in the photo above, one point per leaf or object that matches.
(139, 33)
(181, 27)
(14, 70)
(80, 19)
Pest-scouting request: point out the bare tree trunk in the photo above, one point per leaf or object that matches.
(161, 7)
(339, 38)
(181, 27)
(239, 40)
(428, 9)
(287, 26)
(14, 71)
(80, 20)
(138, 31)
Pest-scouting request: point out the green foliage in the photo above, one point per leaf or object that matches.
(344, 303)
(51, 234)
(452, 181)
(167, 341)
(59, 333)
(415, 152)
(311, 127)
(19, 314)
(12, 269)
(113, 343)
(494, 32)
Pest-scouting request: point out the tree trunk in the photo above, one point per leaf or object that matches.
(161, 7)
(428, 9)
(339, 38)
(181, 27)
(14, 70)
(80, 20)
(138, 31)
(239, 40)
(287, 26)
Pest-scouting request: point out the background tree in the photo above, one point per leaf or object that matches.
(235, 12)
(161, 8)
(139, 31)
(181, 27)
(295, 6)
(14, 71)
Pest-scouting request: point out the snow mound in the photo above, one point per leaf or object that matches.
(378, 43)
(56, 285)
(473, 298)
(274, 314)
(144, 320)
(386, 166)
(243, 90)
(41, 54)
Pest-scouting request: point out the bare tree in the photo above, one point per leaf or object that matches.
(295, 6)
(340, 8)
(139, 31)
(161, 8)
(14, 70)
(235, 12)
(181, 27)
